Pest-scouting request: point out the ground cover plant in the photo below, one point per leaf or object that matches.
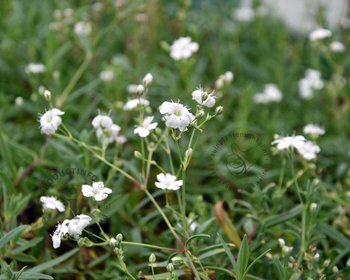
(172, 140)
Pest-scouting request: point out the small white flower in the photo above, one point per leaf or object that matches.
(289, 142)
(146, 127)
(50, 121)
(320, 34)
(98, 191)
(337, 47)
(35, 68)
(271, 94)
(147, 80)
(308, 150)
(183, 48)
(176, 115)
(168, 182)
(311, 82)
(313, 130)
(209, 99)
(82, 28)
(61, 231)
(101, 121)
(228, 76)
(50, 202)
(287, 249)
(106, 75)
(77, 225)
(134, 103)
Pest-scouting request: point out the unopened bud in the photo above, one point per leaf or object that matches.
(188, 153)
(170, 267)
(147, 80)
(228, 76)
(200, 114)
(281, 242)
(219, 110)
(119, 237)
(313, 207)
(137, 154)
(140, 90)
(112, 242)
(152, 258)
(47, 95)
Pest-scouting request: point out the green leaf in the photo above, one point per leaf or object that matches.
(27, 245)
(46, 265)
(335, 235)
(277, 219)
(228, 251)
(11, 235)
(29, 276)
(242, 260)
(200, 235)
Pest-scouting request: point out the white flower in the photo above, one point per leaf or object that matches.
(77, 224)
(146, 127)
(101, 121)
(61, 231)
(183, 48)
(308, 150)
(35, 68)
(82, 28)
(287, 249)
(313, 129)
(147, 80)
(289, 142)
(271, 94)
(281, 242)
(312, 81)
(209, 99)
(337, 47)
(320, 34)
(168, 182)
(50, 202)
(50, 121)
(98, 191)
(133, 103)
(176, 115)
(106, 75)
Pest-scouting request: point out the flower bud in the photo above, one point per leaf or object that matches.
(188, 153)
(228, 76)
(147, 80)
(200, 114)
(112, 242)
(281, 242)
(137, 154)
(152, 258)
(47, 95)
(170, 267)
(140, 90)
(313, 207)
(119, 237)
(219, 110)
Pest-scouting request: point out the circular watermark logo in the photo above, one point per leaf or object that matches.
(240, 159)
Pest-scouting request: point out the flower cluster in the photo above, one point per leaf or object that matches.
(183, 48)
(307, 149)
(50, 121)
(311, 82)
(270, 94)
(140, 92)
(106, 131)
(82, 28)
(73, 227)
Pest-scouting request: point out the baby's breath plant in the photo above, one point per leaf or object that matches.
(172, 140)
